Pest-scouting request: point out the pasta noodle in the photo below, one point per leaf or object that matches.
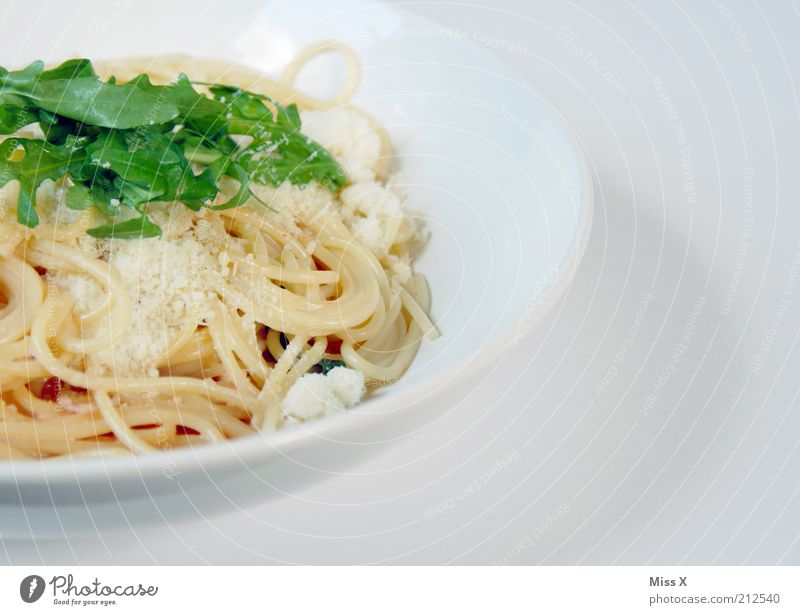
(120, 346)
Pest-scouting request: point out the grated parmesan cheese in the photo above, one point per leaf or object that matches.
(169, 280)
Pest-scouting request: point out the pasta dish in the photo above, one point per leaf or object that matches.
(191, 252)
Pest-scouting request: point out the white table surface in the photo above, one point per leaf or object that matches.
(654, 416)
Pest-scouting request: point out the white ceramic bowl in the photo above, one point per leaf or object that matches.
(493, 169)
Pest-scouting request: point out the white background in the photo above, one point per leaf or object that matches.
(607, 438)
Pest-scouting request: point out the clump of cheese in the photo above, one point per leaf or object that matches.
(375, 214)
(315, 395)
(350, 137)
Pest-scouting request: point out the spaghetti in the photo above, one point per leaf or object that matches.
(120, 346)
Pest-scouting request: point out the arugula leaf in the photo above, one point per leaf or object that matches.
(278, 152)
(133, 228)
(74, 91)
(327, 365)
(71, 69)
(56, 128)
(250, 106)
(193, 107)
(198, 191)
(78, 197)
(127, 144)
(242, 195)
(104, 188)
(299, 160)
(14, 116)
(149, 166)
(31, 162)
(140, 166)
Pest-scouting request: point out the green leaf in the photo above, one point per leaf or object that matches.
(39, 161)
(327, 365)
(198, 189)
(78, 197)
(279, 152)
(14, 116)
(147, 167)
(250, 106)
(71, 69)
(105, 191)
(242, 195)
(130, 229)
(182, 95)
(127, 144)
(89, 100)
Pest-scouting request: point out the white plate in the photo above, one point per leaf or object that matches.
(489, 164)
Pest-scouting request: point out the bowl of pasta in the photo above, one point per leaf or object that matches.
(241, 250)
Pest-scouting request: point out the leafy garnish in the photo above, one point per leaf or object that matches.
(123, 145)
(327, 365)
(278, 151)
(31, 162)
(135, 227)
